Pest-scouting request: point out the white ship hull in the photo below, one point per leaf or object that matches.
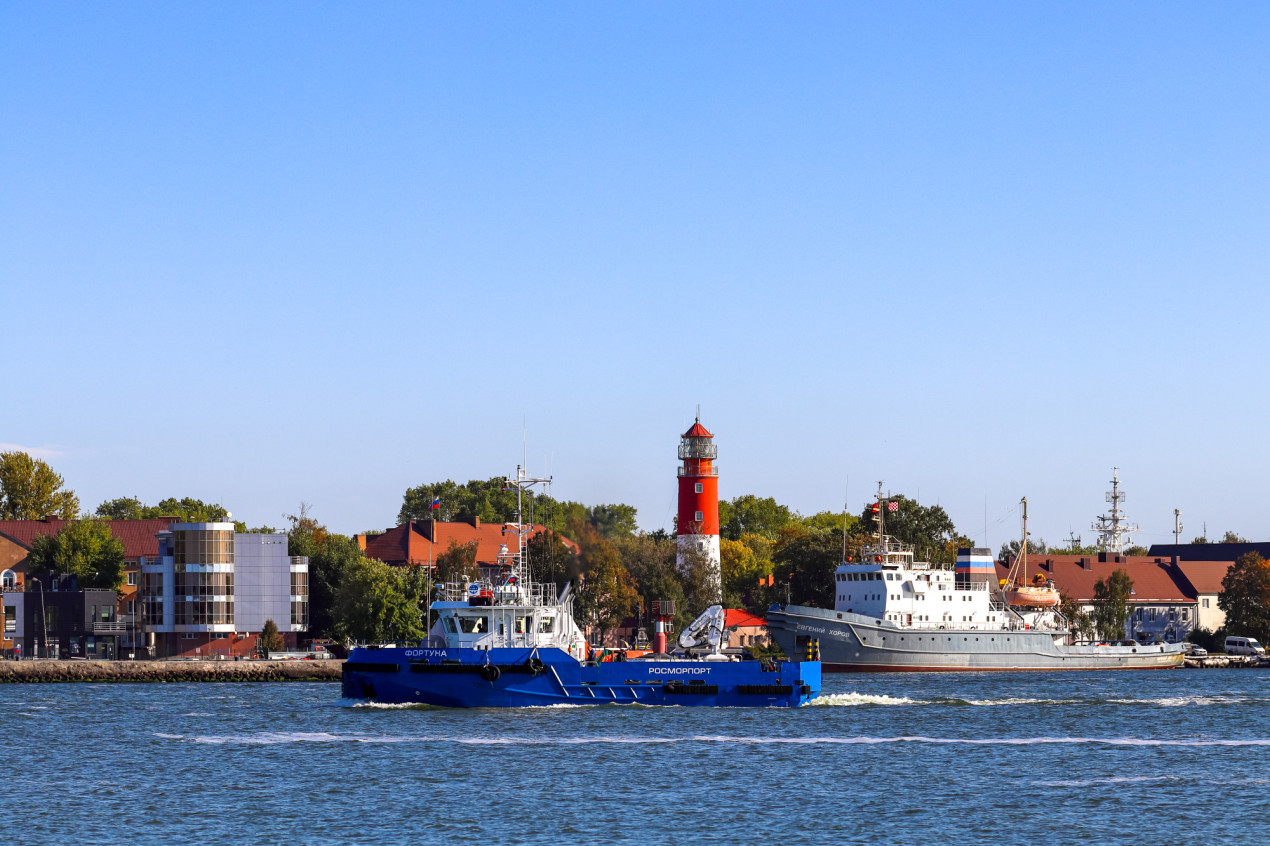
(850, 642)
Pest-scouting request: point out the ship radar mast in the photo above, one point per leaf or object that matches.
(1113, 529)
(518, 564)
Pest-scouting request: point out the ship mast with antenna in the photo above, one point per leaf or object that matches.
(1113, 529)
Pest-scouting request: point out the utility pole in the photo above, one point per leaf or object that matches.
(1177, 525)
(44, 644)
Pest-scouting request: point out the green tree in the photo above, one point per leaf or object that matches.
(371, 605)
(270, 639)
(1111, 605)
(700, 577)
(1010, 549)
(650, 560)
(1231, 537)
(328, 565)
(928, 528)
(805, 562)
(30, 490)
(186, 509)
(613, 521)
(1082, 624)
(1245, 597)
(457, 564)
(123, 508)
(492, 500)
(750, 514)
(741, 570)
(1070, 549)
(608, 595)
(86, 549)
(830, 520)
(551, 560)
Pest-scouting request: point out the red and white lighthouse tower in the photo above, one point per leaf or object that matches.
(699, 502)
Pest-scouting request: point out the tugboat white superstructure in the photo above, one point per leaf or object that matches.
(893, 612)
(509, 641)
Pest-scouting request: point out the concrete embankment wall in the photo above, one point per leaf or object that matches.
(169, 671)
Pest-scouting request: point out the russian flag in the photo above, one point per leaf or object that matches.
(436, 504)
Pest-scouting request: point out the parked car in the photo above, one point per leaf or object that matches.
(1196, 651)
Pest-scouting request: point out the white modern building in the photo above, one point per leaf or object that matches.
(210, 591)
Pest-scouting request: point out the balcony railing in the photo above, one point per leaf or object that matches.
(114, 627)
(711, 471)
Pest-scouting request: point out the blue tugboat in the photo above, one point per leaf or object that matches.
(511, 642)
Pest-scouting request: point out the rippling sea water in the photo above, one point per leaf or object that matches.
(1123, 757)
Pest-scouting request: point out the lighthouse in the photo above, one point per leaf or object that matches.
(698, 527)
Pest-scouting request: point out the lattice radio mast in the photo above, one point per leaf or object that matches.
(1113, 529)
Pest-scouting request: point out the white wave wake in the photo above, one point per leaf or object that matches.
(270, 738)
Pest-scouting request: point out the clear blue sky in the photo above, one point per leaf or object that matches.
(259, 253)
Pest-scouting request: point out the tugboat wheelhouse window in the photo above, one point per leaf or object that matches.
(473, 625)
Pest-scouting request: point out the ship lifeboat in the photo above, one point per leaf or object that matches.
(1039, 594)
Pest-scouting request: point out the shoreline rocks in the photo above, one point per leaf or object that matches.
(168, 671)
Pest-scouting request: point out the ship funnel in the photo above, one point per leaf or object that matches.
(974, 567)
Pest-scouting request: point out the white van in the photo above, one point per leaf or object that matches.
(1244, 646)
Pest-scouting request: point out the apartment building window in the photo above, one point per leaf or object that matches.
(132, 578)
(1205, 602)
(152, 598)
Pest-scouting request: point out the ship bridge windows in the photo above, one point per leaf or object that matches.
(450, 626)
(523, 625)
(478, 624)
(545, 625)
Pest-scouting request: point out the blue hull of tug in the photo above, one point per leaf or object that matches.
(520, 677)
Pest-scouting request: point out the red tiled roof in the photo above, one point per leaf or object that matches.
(137, 535)
(697, 431)
(1205, 576)
(740, 617)
(410, 544)
(1154, 579)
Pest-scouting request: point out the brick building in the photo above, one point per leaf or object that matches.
(1169, 598)
(17, 536)
(419, 542)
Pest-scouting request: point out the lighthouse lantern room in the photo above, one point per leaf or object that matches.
(698, 528)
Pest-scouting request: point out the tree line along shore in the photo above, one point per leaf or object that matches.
(769, 553)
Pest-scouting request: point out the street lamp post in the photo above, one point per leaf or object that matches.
(44, 644)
